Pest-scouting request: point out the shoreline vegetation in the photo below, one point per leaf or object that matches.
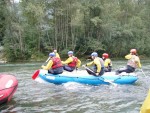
(43, 59)
(30, 29)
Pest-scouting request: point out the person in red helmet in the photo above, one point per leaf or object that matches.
(132, 64)
(107, 62)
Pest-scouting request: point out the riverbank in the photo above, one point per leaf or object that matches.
(2, 58)
(43, 58)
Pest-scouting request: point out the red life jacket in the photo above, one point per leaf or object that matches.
(74, 62)
(56, 63)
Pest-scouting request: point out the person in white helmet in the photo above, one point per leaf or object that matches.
(71, 63)
(54, 65)
(98, 65)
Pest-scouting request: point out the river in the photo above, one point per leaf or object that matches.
(34, 97)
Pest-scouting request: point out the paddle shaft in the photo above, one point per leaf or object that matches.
(90, 70)
(48, 59)
(36, 73)
(143, 72)
(109, 81)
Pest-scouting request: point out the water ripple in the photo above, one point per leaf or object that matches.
(34, 97)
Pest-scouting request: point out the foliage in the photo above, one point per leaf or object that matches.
(31, 29)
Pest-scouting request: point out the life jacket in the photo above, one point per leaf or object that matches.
(102, 62)
(56, 63)
(74, 62)
(110, 63)
(133, 61)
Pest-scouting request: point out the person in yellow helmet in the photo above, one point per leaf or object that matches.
(132, 64)
(107, 62)
(71, 63)
(98, 65)
(56, 53)
(54, 65)
(146, 104)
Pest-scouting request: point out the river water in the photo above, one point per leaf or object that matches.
(34, 97)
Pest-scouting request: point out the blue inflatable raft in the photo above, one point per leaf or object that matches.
(84, 78)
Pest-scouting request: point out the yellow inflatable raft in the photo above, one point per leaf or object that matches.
(146, 105)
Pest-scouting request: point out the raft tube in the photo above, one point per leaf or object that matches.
(85, 78)
(8, 86)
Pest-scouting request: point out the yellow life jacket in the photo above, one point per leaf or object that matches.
(133, 61)
(107, 63)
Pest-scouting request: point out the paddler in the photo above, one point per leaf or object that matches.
(98, 65)
(132, 64)
(56, 53)
(71, 63)
(54, 65)
(107, 62)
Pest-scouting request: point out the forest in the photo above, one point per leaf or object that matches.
(30, 29)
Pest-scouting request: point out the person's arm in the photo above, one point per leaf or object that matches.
(138, 62)
(129, 56)
(70, 59)
(90, 63)
(78, 63)
(48, 66)
(97, 63)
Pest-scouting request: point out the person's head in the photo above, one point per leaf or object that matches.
(94, 54)
(52, 54)
(105, 55)
(133, 51)
(70, 53)
(55, 50)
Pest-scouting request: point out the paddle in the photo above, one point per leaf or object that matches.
(143, 72)
(36, 73)
(109, 81)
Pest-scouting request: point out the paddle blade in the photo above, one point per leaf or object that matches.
(111, 82)
(36, 73)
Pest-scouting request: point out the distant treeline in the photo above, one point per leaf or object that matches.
(33, 28)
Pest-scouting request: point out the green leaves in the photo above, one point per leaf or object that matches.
(37, 26)
(96, 21)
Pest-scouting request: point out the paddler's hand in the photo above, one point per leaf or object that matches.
(62, 62)
(97, 74)
(83, 65)
(42, 66)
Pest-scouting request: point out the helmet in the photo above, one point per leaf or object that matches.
(70, 52)
(105, 55)
(94, 54)
(133, 51)
(52, 54)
